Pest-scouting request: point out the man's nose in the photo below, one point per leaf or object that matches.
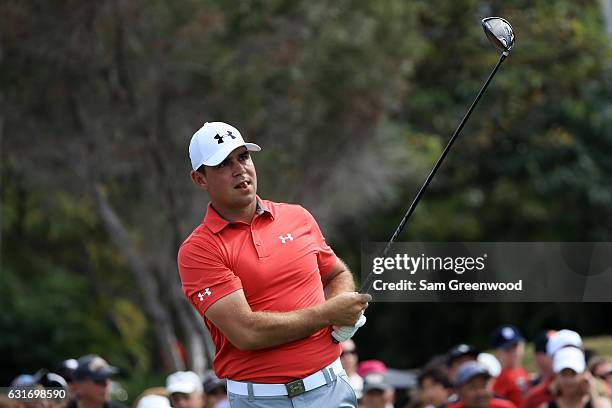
(238, 168)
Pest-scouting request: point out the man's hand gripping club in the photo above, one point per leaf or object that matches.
(350, 314)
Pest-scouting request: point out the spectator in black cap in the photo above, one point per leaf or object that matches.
(377, 392)
(458, 355)
(473, 384)
(513, 381)
(215, 390)
(53, 381)
(92, 383)
(434, 387)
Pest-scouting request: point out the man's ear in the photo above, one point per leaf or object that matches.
(199, 179)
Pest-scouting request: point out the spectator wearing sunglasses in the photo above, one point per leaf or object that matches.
(602, 368)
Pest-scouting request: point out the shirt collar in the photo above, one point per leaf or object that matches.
(215, 222)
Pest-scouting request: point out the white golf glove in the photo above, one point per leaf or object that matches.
(343, 333)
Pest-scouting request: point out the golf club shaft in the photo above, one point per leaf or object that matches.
(366, 284)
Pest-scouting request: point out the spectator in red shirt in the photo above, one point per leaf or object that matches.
(271, 291)
(513, 381)
(474, 388)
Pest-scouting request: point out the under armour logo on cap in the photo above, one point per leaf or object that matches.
(213, 142)
(219, 139)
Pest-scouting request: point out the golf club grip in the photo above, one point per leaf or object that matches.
(367, 282)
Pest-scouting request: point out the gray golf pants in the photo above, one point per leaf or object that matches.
(337, 393)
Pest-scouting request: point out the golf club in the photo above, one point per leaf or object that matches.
(500, 33)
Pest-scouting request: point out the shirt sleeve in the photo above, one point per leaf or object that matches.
(326, 258)
(204, 276)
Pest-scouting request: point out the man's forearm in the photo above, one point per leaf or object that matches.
(267, 329)
(271, 329)
(342, 282)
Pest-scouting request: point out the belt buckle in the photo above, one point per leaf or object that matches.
(295, 388)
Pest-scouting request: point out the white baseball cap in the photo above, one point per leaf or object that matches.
(153, 401)
(561, 339)
(569, 357)
(184, 382)
(213, 142)
(491, 363)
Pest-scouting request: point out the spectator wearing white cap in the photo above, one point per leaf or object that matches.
(185, 390)
(542, 392)
(574, 386)
(153, 401)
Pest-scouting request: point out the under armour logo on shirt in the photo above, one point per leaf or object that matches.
(219, 139)
(286, 238)
(206, 292)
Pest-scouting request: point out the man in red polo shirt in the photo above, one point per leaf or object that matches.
(268, 286)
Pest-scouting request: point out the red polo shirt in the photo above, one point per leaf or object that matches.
(512, 384)
(278, 260)
(539, 394)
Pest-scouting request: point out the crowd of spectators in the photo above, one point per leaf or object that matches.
(567, 376)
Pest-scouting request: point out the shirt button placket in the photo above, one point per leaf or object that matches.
(259, 247)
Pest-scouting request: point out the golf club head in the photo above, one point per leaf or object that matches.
(499, 32)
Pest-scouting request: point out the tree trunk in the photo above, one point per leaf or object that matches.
(199, 343)
(162, 322)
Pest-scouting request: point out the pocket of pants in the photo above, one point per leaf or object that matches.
(344, 379)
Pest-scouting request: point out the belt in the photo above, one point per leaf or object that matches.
(297, 387)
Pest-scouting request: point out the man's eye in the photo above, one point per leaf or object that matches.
(245, 156)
